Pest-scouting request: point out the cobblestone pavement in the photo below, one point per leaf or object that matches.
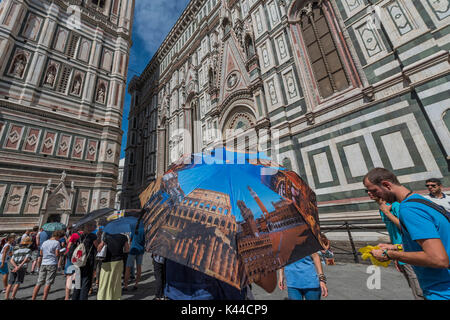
(346, 281)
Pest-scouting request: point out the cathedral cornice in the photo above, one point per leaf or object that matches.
(96, 18)
(38, 112)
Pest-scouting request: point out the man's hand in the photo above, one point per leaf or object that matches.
(378, 254)
(324, 289)
(384, 246)
(384, 207)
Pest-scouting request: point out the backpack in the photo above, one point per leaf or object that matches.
(73, 246)
(80, 257)
(33, 245)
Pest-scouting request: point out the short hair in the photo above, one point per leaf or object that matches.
(35, 228)
(376, 175)
(58, 233)
(11, 236)
(435, 180)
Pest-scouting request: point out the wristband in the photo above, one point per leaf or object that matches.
(385, 253)
(322, 278)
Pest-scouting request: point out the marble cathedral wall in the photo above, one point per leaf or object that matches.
(343, 85)
(63, 70)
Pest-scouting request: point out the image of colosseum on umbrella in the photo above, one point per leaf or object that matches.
(234, 222)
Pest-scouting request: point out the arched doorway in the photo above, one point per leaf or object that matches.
(238, 129)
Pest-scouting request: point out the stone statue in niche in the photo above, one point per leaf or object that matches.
(249, 47)
(76, 86)
(182, 74)
(19, 66)
(51, 75)
(101, 94)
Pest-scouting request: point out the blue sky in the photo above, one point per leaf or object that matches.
(153, 20)
(232, 179)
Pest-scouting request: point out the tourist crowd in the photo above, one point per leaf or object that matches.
(97, 262)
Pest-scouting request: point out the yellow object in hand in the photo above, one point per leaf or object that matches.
(365, 253)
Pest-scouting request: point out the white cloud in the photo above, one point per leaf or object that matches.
(153, 20)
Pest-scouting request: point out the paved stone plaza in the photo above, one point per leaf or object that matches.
(346, 281)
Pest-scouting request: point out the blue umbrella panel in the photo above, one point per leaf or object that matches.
(233, 216)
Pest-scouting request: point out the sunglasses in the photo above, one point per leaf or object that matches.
(431, 185)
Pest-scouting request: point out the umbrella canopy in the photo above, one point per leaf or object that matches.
(121, 225)
(53, 226)
(234, 216)
(97, 214)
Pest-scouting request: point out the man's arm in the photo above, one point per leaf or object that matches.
(387, 211)
(432, 256)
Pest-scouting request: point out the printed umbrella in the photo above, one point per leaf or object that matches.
(234, 216)
(97, 214)
(121, 225)
(53, 226)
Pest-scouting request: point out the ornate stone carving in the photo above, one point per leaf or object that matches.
(18, 65)
(310, 118)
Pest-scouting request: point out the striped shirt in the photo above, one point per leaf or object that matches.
(21, 254)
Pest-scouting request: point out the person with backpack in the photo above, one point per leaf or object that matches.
(389, 213)
(19, 264)
(136, 254)
(72, 242)
(5, 254)
(110, 285)
(425, 231)
(47, 272)
(34, 249)
(84, 258)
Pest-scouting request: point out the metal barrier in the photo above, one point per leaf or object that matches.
(347, 226)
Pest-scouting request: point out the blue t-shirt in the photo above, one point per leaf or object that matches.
(43, 236)
(302, 274)
(423, 222)
(183, 283)
(138, 242)
(394, 232)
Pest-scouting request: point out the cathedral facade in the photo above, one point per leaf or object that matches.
(63, 71)
(329, 88)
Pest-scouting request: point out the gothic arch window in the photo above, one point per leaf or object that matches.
(322, 51)
(99, 3)
(328, 58)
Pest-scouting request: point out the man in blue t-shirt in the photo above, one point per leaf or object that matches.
(425, 235)
(390, 215)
